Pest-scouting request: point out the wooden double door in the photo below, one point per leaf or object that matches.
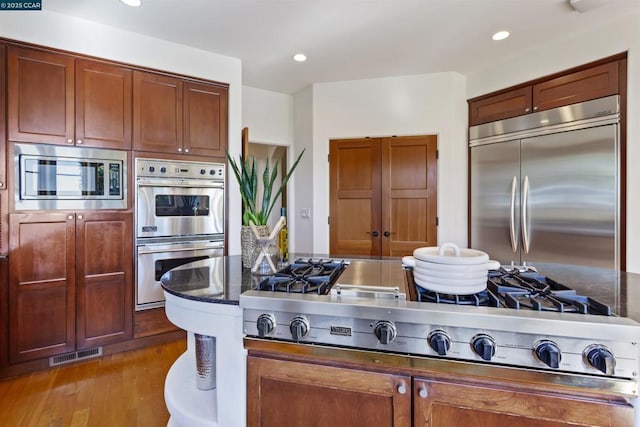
(383, 195)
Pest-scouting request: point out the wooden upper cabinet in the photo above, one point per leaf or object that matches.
(157, 113)
(501, 106)
(171, 115)
(40, 96)
(56, 99)
(103, 105)
(592, 83)
(205, 119)
(42, 295)
(565, 89)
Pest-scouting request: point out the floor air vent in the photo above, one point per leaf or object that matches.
(72, 357)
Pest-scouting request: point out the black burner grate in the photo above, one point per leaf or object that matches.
(483, 298)
(521, 290)
(310, 275)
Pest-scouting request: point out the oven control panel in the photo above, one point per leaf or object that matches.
(615, 358)
(157, 168)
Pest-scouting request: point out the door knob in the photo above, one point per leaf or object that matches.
(373, 233)
(386, 234)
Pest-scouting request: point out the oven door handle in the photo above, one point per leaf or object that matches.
(164, 249)
(182, 184)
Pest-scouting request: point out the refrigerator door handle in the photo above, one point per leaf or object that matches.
(512, 224)
(525, 214)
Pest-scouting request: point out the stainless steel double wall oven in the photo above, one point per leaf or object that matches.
(179, 219)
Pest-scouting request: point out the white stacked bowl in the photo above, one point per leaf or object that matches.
(449, 269)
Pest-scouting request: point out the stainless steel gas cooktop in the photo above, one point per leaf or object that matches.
(523, 319)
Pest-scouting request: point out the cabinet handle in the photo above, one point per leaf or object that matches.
(526, 110)
(1, 184)
(179, 150)
(79, 141)
(423, 392)
(70, 216)
(80, 216)
(535, 108)
(402, 389)
(186, 150)
(69, 141)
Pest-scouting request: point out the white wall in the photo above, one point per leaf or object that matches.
(268, 115)
(81, 36)
(301, 232)
(576, 49)
(406, 105)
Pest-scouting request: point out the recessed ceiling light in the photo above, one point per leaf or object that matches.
(500, 35)
(132, 3)
(299, 57)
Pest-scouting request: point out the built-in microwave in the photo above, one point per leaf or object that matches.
(58, 177)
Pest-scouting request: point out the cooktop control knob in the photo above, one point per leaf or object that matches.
(163, 169)
(266, 324)
(601, 358)
(385, 331)
(152, 169)
(548, 352)
(202, 171)
(440, 342)
(484, 346)
(299, 328)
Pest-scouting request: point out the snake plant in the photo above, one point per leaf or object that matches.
(247, 175)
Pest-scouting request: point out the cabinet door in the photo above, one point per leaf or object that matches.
(103, 105)
(205, 119)
(41, 285)
(355, 197)
(592, 83)
(4, 222)
(40, 96)
(157, 113)
(283, 393)
(3, 132)
(104, 264)
(409, 192)
(500, 106)
(449, 404)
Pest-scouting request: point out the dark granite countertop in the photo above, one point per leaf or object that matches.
(222, 280)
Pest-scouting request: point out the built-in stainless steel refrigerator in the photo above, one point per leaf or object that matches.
(545, 187)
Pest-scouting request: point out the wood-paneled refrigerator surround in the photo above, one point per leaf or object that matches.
(383, 195)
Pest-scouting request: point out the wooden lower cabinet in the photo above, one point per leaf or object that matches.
(289, 391)
(104, 274)
(70, 282)
(282, 393)
(440, 403)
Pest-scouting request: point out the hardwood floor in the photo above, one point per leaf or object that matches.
(122, 389)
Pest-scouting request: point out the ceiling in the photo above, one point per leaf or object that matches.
(351, 39)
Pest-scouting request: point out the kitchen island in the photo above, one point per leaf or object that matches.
(220, 292)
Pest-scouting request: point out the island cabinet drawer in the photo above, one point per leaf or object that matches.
(285, 393)
(452, 403)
